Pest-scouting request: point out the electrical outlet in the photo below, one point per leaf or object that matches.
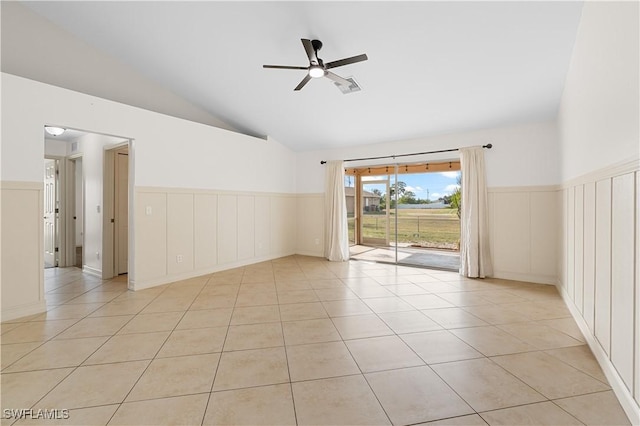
(148, 211)
(317, 241)
(98, 255)
(179, 258)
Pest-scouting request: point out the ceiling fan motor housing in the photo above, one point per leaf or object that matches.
(317, 45)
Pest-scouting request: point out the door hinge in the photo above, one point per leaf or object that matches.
(57, 210)
(57, 249)
(113, 221)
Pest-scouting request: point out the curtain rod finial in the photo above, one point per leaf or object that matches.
(323, 162)
(488, 146)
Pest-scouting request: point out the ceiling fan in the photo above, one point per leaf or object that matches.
(317, 68)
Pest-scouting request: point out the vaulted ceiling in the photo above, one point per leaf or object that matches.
(434, 67)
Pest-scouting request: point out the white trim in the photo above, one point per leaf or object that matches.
(530, 278)
(173, 190)
(630, 407)
(166, 279)
(520, 189)
(309, 253)
(623, 167)
(24, 310)
(24, 186)
(92, 271)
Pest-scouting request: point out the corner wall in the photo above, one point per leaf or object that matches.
(599, 124)
(523, 173)
(169, 154)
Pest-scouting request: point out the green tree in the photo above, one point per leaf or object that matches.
(408, 198)
(401, 189)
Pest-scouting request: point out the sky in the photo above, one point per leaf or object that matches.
(424, 185)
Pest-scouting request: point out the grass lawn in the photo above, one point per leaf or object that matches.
(426, 227)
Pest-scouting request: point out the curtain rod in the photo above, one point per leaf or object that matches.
(488, 146)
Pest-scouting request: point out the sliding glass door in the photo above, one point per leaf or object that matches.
(407, 214)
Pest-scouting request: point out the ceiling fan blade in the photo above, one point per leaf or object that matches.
(304, 81)
(346, 61)
(337, 79)
(284, 67)
(311, 52)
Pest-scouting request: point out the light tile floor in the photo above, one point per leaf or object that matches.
(301, 340)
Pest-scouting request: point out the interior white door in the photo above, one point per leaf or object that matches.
(121, 210)
(50, 214)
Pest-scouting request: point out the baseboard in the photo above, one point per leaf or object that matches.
(309, 253)
(529, 278)
(625, 397)
(167, 279)
(23, 310)
(92, 271)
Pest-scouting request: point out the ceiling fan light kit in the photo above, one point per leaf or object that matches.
(317, 68)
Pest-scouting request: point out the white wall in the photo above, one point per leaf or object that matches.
(598, 122)
(598, 119)
(167, 153)
(523, 173)
(525, 155)
(55, 148)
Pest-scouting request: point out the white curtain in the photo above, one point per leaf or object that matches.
(475, 256)
(336, 241)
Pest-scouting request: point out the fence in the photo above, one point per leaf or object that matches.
(430, 230)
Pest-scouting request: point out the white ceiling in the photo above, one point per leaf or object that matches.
(434, 67)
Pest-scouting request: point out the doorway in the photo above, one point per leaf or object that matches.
(407, 214)
(87, 206)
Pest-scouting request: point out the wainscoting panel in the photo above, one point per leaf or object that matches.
(589, 254)
(22, 249)
(205, 230)
(544, 232)
(210, 230)
(227, 228)
(600, 287)
(603, 265)
(246, 227)
(151, 235)
(512, 237)
(571, 241)
(311, 224)
(578, 255)
(283, 224)
(622, 276)
(263, 225)
(179, 233)
(524, 230)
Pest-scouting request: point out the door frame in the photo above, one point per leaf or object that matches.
(108, 195)
(381, 181)
(397, 169)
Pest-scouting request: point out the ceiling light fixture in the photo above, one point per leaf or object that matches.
(54, 131)
(316, 71)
